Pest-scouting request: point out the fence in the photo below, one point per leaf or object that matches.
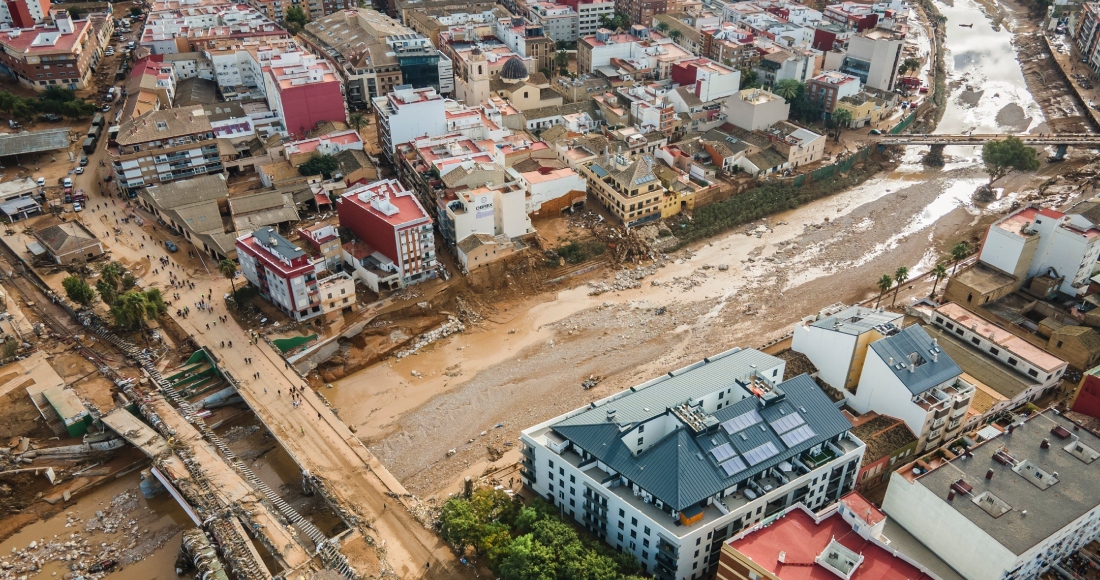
(831, 170)
(903, 123)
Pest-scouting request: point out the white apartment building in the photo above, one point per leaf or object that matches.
(874, 57)
(836, 341)
(755, 109)
(559, 21)
(589, 14)
(496, 210)
(408, 113)
(547, 184)
(1034, 241)
(1009, 508)
(671, 468)
(907, 375)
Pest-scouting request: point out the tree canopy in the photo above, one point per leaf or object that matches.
(78, 290)
(528, 543)
(1005, 156)
(324, 165)
(54, 100)
(133, 308)
(620, 20)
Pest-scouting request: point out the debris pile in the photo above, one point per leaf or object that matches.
(446, 329)
(625, 279)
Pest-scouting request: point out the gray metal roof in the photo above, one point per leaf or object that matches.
(913, 348)
(269, 238)
(685, 468)
(34, 141)
(1048, 510)
(857, 320)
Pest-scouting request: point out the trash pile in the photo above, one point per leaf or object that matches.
(239, 432)
(446, 329)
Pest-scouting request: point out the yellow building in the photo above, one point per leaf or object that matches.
(629, 190)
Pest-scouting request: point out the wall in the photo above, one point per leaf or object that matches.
(1087, 398)
(946, 532)
(1004, 251)
(759, 116)
(831, 352)
(305, 106)
(881, 391)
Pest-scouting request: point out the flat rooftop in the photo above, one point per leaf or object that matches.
(989, 371)
(1001, 337)
(1073, 493)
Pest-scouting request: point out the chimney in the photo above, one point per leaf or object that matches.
(935, 341)
(912, 367)
(890, 362)
(951, 494)
(1045, 444)
(1011, 428)
(935, 357)
(610, 415)
(989, 474)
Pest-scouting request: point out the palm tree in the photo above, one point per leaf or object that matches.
(842, 118)
(958, 253)
(789, 89)
(662, 26)
(938, 273)
(675, 35)
(884, 284)
(900, 276)
(228, 268)
(357, 121)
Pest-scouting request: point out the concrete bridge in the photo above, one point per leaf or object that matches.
(1054, 140)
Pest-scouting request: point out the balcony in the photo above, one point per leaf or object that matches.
(815, 460)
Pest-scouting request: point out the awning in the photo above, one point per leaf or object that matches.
(322, 199)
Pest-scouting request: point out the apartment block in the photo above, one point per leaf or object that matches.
(62, 54)
(374, 54)
(628, 189)
(558, 21)
(408, 113)
(1036, 241)
(874, 57)
(668, 470)
(314, 9)
(200, 27)
(754, 109)
(282, 272)
(24, 13)
(303, 90)
(394, 245)
(1009, 507)
(166, 145)
(836, 341)
(641, 12)
(829, 87)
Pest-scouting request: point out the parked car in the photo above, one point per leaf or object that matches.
(50, 117)
(68, 198)
(79, 170)
(77, 206)
(83, 160)
(106, 108)
(42, 182)
(171, 246)
(874, 132)
(67, 182)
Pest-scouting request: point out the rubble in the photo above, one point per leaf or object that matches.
(446, 329)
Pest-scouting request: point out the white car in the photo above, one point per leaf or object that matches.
(41, 181)
(68, 182)
(77, 206)
(79, 170)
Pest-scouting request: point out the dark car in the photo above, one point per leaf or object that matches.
(83, 160)
(171, 246)
(874, 132)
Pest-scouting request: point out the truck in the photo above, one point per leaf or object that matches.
(79, 196)
(97, 121)
(89, 145)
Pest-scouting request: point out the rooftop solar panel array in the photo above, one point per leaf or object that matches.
(796, 436)
(733, 466)
(742, 421)
(761, 453)
(787, 422)
(722, 452)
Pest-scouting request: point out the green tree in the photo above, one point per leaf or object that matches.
(1005, 156)
(459, 525)
(324, 165)
(619, 21)
(59, 94)
(749, 78)
(78, 290)
(529, 560)
(842, 118)
(907, 65)
(133, 308)
(9, 348)
(675, 35)
(77, 109)
(110, 280)
(662, 27)
(789, 89)
(297, 15)
(561, 59)
(294, 28)
(228, 268)
(900, 277)
(959, 253)
(135, 11)
(884, 284)
(357, 120)
(129, 282)
(938, 273)
(7, 101)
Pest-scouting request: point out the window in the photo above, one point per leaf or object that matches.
(634, 521)
(939, 319)
(641, 428)
(1059, 344)
(1033, 373)
(640, 440)
(645, 542)
(646, 530)
(622, 513)
(697, 540)
(645, 555)
(572, 479)
(969, 297)
(1012, 361)
(550, 486)
(620, 537)
(950, 326)
(976, 340)
(572, 502)
(634, 534)
(621, 527)
(561, 471)
(994, 351)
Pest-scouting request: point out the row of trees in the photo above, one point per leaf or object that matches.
(939, 273)
(54, 100)
(528, 543)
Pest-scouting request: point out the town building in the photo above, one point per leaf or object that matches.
(558, 21)
(729, 44)
(281, 271)
(785, 63)
(629, 189)
(641, 12)
(314, 9)
(889, 442)
(526, 39)
(1009, 507)
(836, 340)
(194, 28)
(868, 107)
(873, 57)
(298, 152)
(302, 91)
(1027, 371)
(68, 46)
(754, 109)
(641, 53)
(1035, 241)
(849, 540)
(799, 145)
(829, 87)
(408, 113)
(166, 145)
(24, 13)
(191, 207)
(69, 243)
(667, 470)
(589, 14)
(394, 245)
(374, 54)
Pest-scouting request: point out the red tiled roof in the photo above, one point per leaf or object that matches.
(865, 509)
(1051, 213)
(802, 540)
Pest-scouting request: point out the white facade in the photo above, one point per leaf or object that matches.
(588, 16)
(756, 109)
(336, 292)
(558, 21)
(407, 114)
(542, 188)
(836, 341)
(874, 58)
(494, 211)
(1067, 243)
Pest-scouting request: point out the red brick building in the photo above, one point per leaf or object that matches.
(43, 56)
(303, 90)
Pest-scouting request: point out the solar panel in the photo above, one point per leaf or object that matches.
(758, 454)
(792, 438)
(742, 421)
(787, 422)
(722, 452)
(734, 466)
